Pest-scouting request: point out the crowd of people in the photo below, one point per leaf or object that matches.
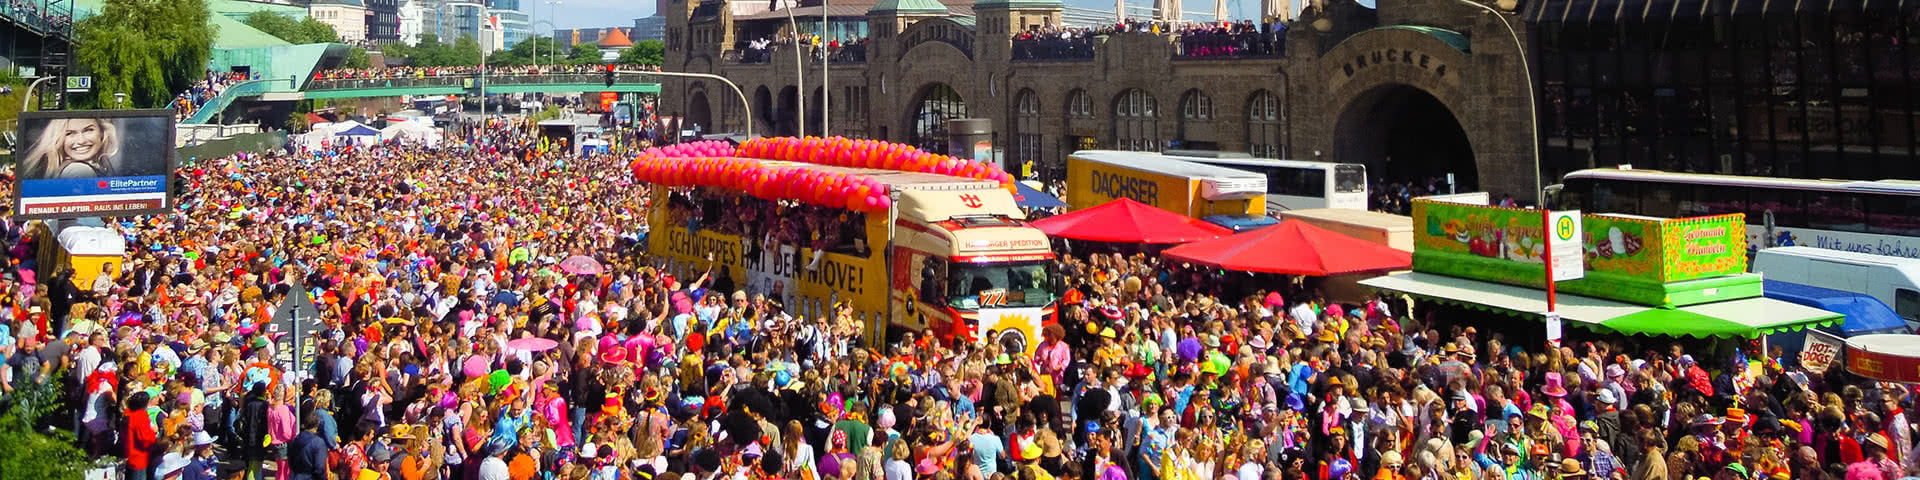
(1208, 39)
(424, 72)
(838, 50)
(203, 91)
(488, 311)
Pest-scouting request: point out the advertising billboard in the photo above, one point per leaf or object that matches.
(93, 164)
(73, 164)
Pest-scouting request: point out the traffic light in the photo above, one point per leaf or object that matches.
(609, 76)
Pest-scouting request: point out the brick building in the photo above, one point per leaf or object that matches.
(1413, 88)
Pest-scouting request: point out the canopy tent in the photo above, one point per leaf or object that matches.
(1029, 197)
(1743, 318)
(356, 130)
(1127, 221)
(1864, 314)
(92, 241)
(411, 131)
(1293, 247)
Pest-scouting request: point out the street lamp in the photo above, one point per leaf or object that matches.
(536, 39)
(826, 59)
(536, 24)
(1533, 105)
(799, 77)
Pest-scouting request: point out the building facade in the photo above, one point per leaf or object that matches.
(568, 37)
(515, 26)
(1415, 89)
(413, 20)
(650, 28)
(383, 21)
(347, 17)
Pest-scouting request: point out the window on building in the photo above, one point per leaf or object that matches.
(1263, 125)
(1079, 104)
(1026, 129)
(1136, 125)
(1196, 106)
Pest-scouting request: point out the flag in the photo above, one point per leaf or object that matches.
(494, 21)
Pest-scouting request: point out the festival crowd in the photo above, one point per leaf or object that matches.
(424, 72)
(203, 91)
(487, 311)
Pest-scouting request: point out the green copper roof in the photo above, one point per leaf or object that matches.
(909, 7)
(1019, 4)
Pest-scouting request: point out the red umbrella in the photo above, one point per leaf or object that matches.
(1127, 221)
(1293, 248)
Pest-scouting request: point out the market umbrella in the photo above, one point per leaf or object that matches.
(358, 131)
(1028, 197)
(532, 344)
(581, 265)
(1127, 221)
(1293, 248)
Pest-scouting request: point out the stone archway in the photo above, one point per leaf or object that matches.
(700, 113)
(931, 109)
(1413, 104)
(763, 110)
(1403, 133)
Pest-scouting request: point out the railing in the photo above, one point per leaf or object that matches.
(28, 14)
(219, 102)
(190, 135)
(1053, 48)
(1230, 45)
(462, 80)
(848, 54)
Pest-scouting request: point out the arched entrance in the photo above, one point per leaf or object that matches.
(763, 109)
(700, 114)
(937, 103)
(788, 121)
(1404, 134)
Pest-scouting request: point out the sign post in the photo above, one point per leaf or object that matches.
(292, 320)
(1565, 257)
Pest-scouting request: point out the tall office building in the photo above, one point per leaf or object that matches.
(383, 21)
(515, 25)
(650, 28)
(413, 20)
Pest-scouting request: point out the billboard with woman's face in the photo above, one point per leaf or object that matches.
(96, 163)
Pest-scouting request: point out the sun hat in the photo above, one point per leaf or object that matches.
(1553, 387)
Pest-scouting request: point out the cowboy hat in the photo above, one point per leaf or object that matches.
(1553, 387)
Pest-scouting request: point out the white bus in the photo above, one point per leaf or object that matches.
(1876, 217)
(1294, 184)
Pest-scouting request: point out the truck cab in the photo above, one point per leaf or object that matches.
(967, 266)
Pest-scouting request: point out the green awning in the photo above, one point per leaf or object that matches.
(1744, 318)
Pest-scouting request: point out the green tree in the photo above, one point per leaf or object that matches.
(465, 52)
(297, 32)
(148, 49)
(647, 52)
(584, 54)
(28, 453)
(547, 49)
(357, 58)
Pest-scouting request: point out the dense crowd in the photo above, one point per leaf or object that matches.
(203, 91)
(424, 72)
(1208, 39)
(836, 50)
(487, 312)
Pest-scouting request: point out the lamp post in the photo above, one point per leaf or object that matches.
(745, 108)
(537, 22)
(1533, 105)
(826, 59)
(799, 78)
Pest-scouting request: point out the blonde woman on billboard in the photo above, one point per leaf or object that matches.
(72, 148)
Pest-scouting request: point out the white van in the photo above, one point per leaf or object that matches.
(1895, 281)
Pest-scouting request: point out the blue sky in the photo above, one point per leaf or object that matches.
(611, 13)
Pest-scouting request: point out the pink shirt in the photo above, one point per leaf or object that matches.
(280, 424)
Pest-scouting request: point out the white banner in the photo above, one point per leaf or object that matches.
(771, 272)
(1011, 327)
(1820, 350)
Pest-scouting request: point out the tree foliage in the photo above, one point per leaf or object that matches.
(523, 53)
(27, 451)
(297, 32)
(148, 49)
(357, 58)
(647, 52)
(584, 54)
(432, 53)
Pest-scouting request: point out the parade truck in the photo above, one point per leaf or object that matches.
(1188, 188)
(948, 255)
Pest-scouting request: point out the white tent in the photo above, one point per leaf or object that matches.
(411, 132)
(79, 240)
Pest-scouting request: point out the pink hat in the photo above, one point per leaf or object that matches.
(1553, 387)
